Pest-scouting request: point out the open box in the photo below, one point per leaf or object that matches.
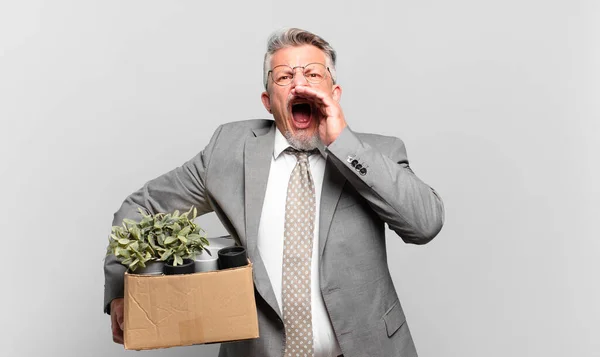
(181, 310)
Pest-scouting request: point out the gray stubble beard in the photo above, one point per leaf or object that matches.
(299, 142)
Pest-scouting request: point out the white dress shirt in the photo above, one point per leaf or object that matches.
(270, 239)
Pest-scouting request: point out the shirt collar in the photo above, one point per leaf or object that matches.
(280, 144)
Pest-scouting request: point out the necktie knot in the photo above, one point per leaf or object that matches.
(301, 155)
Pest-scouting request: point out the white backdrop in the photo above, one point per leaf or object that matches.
(497, 103)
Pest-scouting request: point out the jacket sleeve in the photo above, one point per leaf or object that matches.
(179, 189)
(383, 177)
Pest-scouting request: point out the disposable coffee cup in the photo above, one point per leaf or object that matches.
(205, 262)
(186, 268)
(232, 257)
(153, 267)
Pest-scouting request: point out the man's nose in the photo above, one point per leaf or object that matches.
(299, 78)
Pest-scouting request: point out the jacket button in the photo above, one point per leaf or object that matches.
(358, 167)
(363, 171)
(354, 162)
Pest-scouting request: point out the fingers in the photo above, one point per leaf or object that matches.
(331, 118)
(324, 102)
(117, 336)
(311, 93)
(120, 319)
(116, 318)
(117, 330)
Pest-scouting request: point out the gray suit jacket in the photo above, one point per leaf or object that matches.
(230, 176)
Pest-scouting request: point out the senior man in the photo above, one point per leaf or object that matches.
(322, 282)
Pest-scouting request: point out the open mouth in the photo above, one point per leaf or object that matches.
(301, 114)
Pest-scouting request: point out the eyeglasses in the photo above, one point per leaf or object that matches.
(314, 73)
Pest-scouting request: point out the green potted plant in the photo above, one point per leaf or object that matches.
(182, 241)
(171, 240)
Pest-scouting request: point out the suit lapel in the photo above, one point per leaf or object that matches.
(258, 152)
(333, 182)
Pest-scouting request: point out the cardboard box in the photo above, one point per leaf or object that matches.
(181, 310)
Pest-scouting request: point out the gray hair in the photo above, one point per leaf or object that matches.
(293, 37)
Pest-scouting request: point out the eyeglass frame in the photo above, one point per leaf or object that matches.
(294, 73)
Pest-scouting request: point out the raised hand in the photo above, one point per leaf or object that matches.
(331, 117)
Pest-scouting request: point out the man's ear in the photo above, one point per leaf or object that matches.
(337, 92)
(266, 100)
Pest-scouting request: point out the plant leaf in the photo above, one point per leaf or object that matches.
(185, 231)
(145, 213)
(123, 252)
(129, 221)
(166, 255)
(176, 227)
(133, 265)
(170, 239)
(135, 232)
(134, 246)
(152, 240)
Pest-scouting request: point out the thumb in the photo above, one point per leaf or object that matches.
(120, 321)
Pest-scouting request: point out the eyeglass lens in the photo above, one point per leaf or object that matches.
(313, 72)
